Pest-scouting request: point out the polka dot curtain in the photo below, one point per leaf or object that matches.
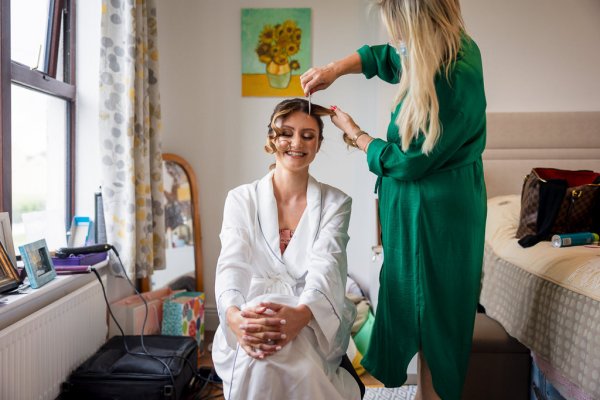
(130, 140)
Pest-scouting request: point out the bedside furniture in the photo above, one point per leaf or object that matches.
(499, 366)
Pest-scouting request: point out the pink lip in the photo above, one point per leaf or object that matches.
(289, 155)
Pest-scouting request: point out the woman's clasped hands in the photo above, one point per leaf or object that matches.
(265, 329)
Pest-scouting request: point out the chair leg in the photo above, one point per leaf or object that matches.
(347, 365)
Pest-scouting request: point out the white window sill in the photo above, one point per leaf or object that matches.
(18, 306)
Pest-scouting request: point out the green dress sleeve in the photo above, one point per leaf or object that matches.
(387, 159)
(382, 60)
(462, 116)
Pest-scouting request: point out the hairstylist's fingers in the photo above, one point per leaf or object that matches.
(309, 80)
(305, 78)
(344, 121)
(316, 78)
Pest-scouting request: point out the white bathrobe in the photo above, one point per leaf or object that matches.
(311, 271)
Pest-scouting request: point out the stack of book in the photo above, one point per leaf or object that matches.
(77, 264)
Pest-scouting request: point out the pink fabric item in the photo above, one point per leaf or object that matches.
(285, 235)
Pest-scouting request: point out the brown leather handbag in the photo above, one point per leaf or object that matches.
(558, 201)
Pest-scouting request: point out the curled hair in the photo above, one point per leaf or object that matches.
(287, 107)
(431, 30)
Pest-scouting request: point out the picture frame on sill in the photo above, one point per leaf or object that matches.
(38, 263)
(6, 237)
(9, 276)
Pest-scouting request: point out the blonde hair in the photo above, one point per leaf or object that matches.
(431, 31)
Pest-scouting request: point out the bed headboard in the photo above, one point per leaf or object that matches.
(517, 142)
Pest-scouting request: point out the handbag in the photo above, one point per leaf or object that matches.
(558, 201)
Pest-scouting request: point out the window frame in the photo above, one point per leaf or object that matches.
(42, 82)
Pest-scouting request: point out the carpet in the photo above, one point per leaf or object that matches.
(406, 392)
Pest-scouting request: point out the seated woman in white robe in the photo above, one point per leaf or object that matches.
(280, 285)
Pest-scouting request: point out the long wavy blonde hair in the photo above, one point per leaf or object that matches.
(431, 32)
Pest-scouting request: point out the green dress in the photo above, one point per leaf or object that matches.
(432, 211)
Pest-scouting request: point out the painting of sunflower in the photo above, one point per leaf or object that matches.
(275, 50)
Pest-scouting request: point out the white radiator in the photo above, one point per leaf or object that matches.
(39, 352)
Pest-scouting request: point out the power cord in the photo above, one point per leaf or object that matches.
(211, 379)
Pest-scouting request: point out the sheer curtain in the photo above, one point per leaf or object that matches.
(130, 137)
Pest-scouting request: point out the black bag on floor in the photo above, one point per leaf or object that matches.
(115, 373)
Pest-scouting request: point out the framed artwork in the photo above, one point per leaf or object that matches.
(276, 50)
(9, 277)
(38, 263)
(6, 237)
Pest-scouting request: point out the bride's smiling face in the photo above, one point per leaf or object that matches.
(298, 143)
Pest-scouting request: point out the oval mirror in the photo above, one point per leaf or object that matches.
(183, 240)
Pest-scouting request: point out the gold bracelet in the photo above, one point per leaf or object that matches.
(359, 134)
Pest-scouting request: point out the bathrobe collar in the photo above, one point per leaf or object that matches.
(306, 232)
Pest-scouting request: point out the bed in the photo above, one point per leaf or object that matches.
(547, 298)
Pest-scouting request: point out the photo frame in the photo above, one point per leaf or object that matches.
(6, 236)
(9, 276)
(38, 263)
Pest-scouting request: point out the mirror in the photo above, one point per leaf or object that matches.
(183, 240)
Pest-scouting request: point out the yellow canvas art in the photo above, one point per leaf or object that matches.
(275, 51)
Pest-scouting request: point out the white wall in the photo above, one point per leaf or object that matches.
(539, 55)
(222, 134)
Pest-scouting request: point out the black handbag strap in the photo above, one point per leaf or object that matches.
(552, 193)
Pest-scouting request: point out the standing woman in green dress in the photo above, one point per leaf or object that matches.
(431, 190)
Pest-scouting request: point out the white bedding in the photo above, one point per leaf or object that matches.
(547, 298)
(575, 268)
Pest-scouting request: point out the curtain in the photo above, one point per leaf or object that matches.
(130, 140)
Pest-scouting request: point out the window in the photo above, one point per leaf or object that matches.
(37, 128)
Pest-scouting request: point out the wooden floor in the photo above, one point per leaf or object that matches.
(213, 390)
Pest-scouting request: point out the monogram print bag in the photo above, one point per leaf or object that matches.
(558, 201)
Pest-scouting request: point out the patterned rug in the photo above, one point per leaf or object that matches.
(406, 392)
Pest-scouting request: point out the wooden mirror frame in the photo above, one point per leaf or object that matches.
(198, 261)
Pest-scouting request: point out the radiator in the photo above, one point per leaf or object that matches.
(38, 352)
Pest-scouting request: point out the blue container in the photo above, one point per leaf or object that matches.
(574, 239)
